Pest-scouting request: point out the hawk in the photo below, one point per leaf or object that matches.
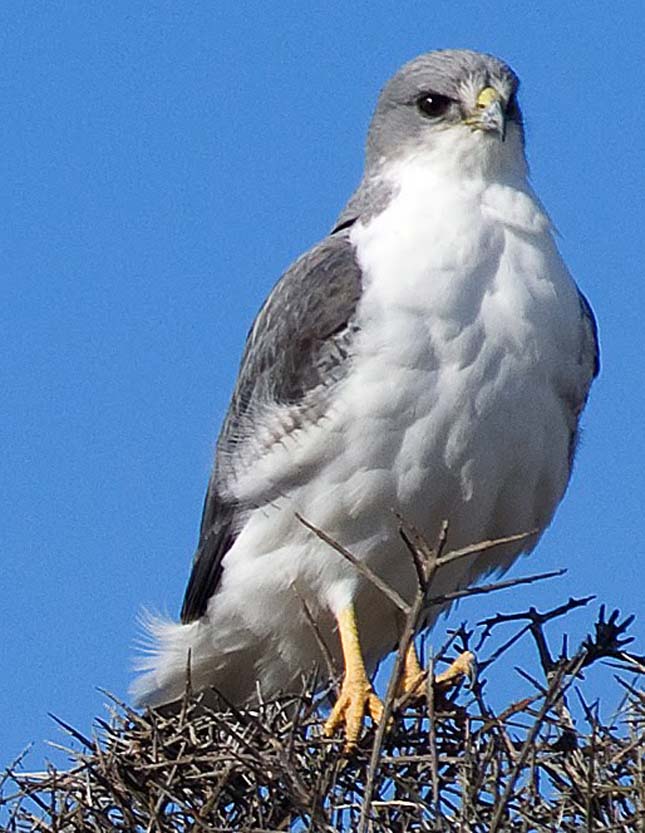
(431, 355)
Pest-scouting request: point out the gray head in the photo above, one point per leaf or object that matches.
(455, 109)
(448, 93)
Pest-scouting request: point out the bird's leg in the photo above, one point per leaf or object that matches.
(356, 694)
(463, 666)
(412, 684)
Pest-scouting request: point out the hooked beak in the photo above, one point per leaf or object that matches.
(489, 113)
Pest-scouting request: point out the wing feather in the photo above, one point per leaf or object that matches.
(300, 341)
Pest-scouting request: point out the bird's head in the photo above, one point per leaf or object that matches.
(457, 109)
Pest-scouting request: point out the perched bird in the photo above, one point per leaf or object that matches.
(431, 355)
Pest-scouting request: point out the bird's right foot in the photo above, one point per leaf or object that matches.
(357, 698)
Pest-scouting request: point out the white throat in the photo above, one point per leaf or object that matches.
(460, 154)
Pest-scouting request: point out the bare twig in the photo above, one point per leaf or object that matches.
(322, 645)
(362, 568)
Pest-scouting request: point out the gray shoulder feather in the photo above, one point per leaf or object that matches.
(299, 342)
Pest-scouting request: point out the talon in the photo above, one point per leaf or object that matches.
(355, 701)
(463, 666)
(357, 697)
(413, 682)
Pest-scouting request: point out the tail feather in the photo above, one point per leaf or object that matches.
(170, 652)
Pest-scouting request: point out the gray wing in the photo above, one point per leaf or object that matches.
(591, 328)
(589, 361)
(300, 341)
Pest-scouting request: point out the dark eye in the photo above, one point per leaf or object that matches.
(433, 104)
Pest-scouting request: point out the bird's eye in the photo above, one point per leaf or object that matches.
(433, 104)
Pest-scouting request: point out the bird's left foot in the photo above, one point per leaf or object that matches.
(464, 666)
(356, 699)
(413, 684)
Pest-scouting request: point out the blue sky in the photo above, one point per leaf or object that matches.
(162, 164)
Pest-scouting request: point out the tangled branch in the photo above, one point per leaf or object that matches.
(450, 764)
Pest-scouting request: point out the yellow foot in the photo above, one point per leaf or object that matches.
(356, 699)
(463, 666)
(412, 685)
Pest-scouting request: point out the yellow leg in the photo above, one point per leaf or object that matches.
(356, 694)
(413, 680)
(459, 668)
(412, 684)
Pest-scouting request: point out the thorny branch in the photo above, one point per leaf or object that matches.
(449, 764)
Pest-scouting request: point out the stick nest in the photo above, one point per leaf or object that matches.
(448, 763)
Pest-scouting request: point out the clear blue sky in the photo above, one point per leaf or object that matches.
(162, 164)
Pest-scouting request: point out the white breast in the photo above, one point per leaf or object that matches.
(469, 348)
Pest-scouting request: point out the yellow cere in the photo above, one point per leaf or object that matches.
(487, 96)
